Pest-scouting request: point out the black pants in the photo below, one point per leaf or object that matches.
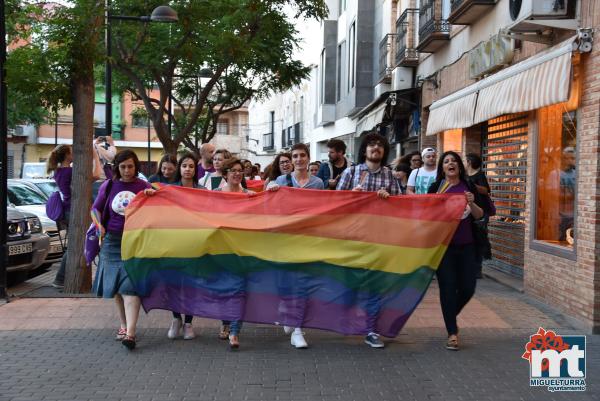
(60, 274)
(456, 278)
(188, 318)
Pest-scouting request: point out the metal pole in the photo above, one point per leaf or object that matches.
(108, 74)
(169, 118)
(3, 155)
(148, 124)
(56, 126)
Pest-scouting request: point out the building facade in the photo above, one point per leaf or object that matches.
(517, 83)
(131, 130)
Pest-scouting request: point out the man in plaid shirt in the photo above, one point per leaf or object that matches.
(370, 174)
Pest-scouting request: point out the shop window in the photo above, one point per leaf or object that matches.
(453, 140)
(556, 181)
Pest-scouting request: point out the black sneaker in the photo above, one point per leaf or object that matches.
(374, 341)
(58, 285)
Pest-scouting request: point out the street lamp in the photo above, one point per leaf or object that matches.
(159, 14)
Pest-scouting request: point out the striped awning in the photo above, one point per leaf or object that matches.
(369, 121)
(539, 81)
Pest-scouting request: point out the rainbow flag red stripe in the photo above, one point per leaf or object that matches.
(335, 260)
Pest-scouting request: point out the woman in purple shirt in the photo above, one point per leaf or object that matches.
(111, 278)
(59, 163)
(457, 273)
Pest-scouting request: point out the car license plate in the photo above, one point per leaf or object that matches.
(19, 249)
(55, 248)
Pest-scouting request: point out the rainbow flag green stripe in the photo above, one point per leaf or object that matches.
(301, 270)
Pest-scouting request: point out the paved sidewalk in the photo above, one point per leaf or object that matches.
(63, 349)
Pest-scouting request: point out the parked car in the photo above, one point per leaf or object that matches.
(45, 185)
(27, 245)
(26, 198)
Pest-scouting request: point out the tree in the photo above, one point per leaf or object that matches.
(247, 45)
(58, 46)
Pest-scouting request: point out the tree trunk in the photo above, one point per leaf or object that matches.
(78, 276)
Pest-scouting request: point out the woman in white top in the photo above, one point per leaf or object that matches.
(216, 180)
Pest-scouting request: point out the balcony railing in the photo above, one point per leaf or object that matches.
(406, 38)
(386, 54)
(434, 31)
(465, 12)
(268, 141)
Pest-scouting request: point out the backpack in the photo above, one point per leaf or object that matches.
(54, 207)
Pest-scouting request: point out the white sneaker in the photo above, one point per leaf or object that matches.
(288, 329)
(188, 332)
(298, 340)
(175, 329)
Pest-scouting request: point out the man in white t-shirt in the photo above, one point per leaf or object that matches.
(421, 178)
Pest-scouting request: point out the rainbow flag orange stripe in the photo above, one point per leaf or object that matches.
(334, 260)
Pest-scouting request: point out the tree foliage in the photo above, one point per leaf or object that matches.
(54, 50)
(247, 45)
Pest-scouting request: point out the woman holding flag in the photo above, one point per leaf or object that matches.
(233, 171)
(108, 212)
(186, 176)
(457, 271)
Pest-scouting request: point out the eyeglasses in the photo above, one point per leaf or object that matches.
(284, 162)
(375, 143)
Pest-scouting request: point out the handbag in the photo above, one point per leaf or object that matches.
(92, 236)
(55, 209)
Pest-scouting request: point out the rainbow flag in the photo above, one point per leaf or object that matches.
(335, 260)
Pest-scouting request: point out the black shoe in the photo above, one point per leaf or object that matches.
(58, 285)
(129, 342)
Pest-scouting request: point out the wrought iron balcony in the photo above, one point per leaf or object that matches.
(406, 38)
(434, 31)
(268, 141)
(465, 12)
(386, 54)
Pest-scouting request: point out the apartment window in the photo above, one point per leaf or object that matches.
(140, 121)
(342, 6)
(322, 78)
(223, 127)
(340, 57)
(100, 114)
(351, 55)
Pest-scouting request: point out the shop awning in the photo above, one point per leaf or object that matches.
(370, 120)
(539, 81)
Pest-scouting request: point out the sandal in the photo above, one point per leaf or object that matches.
(224, 333)
(129, 342)
(121, 334)
(452, 343)
(234, 342)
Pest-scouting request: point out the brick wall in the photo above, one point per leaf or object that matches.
(574, 286)
(570, 286)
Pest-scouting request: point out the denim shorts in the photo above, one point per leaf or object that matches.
(111, 277)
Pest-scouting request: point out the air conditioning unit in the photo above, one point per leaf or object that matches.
(540, 15)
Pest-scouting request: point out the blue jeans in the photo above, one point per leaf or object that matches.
(234, 326)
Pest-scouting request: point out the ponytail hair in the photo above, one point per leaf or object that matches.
(57, 156)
